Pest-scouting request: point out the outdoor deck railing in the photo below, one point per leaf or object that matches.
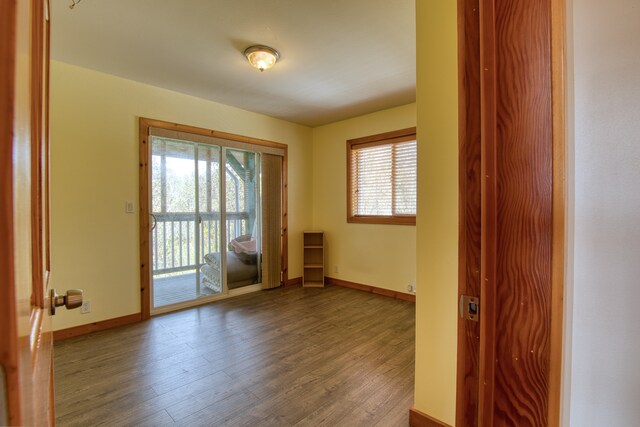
(174, 238)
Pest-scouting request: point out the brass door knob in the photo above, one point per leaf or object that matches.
(72, 299)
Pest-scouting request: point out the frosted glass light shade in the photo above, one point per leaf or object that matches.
(261, 57)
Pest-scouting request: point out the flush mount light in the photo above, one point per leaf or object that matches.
(261, 57)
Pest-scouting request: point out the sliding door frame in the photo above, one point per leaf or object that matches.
(144, 186)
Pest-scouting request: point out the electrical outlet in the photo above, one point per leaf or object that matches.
(411, 288)
(86, 307)
(128, 208)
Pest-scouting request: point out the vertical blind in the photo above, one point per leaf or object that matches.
(271, 220)
(383, 179)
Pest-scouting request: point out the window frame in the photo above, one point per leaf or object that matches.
(387, 138)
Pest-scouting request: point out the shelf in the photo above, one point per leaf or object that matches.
(313, 238)
(313, 259)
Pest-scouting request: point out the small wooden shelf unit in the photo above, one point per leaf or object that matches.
(313, 259)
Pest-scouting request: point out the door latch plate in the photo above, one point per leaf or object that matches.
(469, 308)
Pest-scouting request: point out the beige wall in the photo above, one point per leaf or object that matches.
(437, 228)
(94, 170)
(604, 339)
(371, 254)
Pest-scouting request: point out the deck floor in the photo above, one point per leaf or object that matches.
(175, 289)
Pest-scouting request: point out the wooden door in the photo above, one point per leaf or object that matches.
(511, 195)
(26, 340)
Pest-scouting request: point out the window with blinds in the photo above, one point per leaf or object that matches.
(382, 178)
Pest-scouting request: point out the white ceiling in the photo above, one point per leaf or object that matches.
(339, 58)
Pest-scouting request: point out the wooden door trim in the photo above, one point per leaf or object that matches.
(8, 340)
(558, 240)
(469, 206)
(47, 144)
(144, 182)
(284, 251)
(145, 245)
(488, 85)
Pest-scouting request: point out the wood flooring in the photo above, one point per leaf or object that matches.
(284, 357)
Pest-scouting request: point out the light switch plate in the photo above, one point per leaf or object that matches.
(129, 206)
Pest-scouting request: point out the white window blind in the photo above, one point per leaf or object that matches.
(383, 178)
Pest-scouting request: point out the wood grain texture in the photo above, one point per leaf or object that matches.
(282, 357)
(517, 153)
(285, 216)
(25, 342)
(102, 325)
(488, 244)
(559, 106)
(144, 184)
(212, 133)
(47, 141)
(372, 289)
(470, 214)
(8, 343)
(37, 115)
(420, 419)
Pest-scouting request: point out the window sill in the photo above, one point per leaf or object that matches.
(386, 220)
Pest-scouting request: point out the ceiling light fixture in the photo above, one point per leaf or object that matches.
(261, 57)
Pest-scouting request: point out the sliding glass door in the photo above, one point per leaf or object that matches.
(190, 221)
(209, 273)
(243, 221)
